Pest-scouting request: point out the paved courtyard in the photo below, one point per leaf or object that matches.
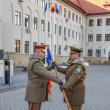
(97, 93)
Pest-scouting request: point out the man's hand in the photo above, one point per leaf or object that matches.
(62, 87)
(54, 64)
(60, 83)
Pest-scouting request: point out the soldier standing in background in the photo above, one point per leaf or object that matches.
(75, 75)
(38, 76)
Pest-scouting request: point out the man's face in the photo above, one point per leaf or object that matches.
(74, 55)
(40, 53)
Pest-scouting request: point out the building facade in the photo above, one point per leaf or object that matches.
(98, 37)
(25, 23)
(0, 25)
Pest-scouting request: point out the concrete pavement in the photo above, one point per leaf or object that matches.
(18, 81)
(97, 93)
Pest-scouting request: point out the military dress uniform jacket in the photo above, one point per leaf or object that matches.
(37, 80)
(75, 75)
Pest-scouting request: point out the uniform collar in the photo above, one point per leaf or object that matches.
(78, 60)
(34, 56)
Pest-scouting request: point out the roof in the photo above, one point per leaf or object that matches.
(87, 7)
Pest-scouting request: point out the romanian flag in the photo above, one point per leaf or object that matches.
(48, 61)
(52, 8)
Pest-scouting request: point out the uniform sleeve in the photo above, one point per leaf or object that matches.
(62, 70)
(78, 72)
(39, 69)
(49, 68)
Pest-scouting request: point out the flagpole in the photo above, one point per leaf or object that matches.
(46, 11)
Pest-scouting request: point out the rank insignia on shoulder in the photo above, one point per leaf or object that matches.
(77, 70)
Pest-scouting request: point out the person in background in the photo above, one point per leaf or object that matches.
(38, 76)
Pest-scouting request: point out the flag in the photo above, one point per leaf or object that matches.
(48, 61)
(48, 56)
(56, 8)
(50, 5)
(52, 8)
(46, 6)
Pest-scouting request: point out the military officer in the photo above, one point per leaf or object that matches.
(75, 75)
(37, 79)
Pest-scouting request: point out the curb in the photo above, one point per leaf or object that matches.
(11, 87)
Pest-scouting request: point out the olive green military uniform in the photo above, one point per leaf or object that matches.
(37, 82)
(75, 88)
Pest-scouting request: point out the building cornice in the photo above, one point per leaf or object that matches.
(74, 6)
(100, 13)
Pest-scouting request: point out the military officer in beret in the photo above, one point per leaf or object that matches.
(75, 75)
(37, 79)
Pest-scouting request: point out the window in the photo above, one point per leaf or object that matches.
(73, 16)
(59, 50)
(42, 25)
(42, 3)
(98, 52)
(27, 21)
(79, 20)
(65, 12)
(55, 28)
(107, 37)
(68, 32)
(76, 18)
(69, 14)
(107, 21)
(55, 48)
(91, 22)
(34, 44)
(26, 46)
(36, 1)
(17, 46)
(104, 51)
(18, 18)
(90, 37)
(60, 10)
(60, 29)
(42, 43)
(64, 31)
(48, 27)
(98, 37)
(99, 22)
(35, 23)
(79, 36)
(90, 52)
(76, 35)
(72, 33)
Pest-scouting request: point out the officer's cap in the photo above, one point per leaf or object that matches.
(41, 47)
(74, 49)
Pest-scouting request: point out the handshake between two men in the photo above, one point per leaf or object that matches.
(54, 65)
(62, 86)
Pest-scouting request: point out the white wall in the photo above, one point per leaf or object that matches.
(10, 31)
(98, 30)
(7, 43)
(0, 25)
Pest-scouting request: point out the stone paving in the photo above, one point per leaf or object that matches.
(18, 81)
(97, 93)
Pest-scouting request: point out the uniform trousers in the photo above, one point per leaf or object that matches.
(34, 106)
(76, 107)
